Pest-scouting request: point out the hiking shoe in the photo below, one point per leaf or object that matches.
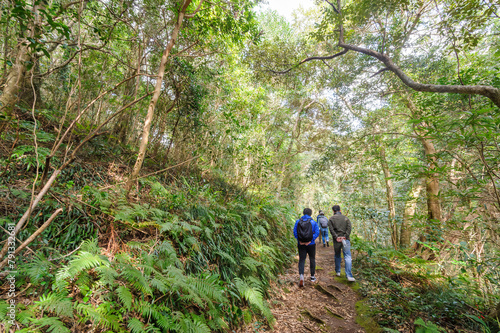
(338, 273)
(351, 279)
(313, 279)
(324, 245)
(327, 244)
(301, 283)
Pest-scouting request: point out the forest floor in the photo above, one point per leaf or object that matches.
(328, 305)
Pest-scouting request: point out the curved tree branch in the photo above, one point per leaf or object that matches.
(309, 59)
(488, 91)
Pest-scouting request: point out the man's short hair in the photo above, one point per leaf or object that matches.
(307, 211)
(336, 208)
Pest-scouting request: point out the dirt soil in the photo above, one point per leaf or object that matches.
(325, 306)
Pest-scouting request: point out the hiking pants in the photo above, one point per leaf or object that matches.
(324, 234)
(305, 250)
(337, 246)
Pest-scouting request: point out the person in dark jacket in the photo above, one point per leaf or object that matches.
(340, 229)
(323, 225)
(307, 247)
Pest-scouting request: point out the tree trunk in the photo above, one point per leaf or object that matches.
(410, 205)
(154, 99)
(15, 79)
(432, 180)
(432, 184)
(389, 190)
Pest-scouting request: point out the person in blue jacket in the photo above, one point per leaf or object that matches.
(307, 247)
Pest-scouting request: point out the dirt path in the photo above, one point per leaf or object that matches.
(325, 306)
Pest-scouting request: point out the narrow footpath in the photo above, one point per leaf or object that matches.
(325, 306)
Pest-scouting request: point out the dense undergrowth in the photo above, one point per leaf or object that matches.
(189, 254)
(407, 294)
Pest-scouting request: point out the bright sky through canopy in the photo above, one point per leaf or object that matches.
(286, 7)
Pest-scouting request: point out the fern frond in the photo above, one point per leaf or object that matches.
(226, 256)
(59, 304)
(90, 246)
(125, 296)
(260, 230)
(24, 316)
(167, 252)
(191, 323)
(137, 279)
(3, 309)
(251, 264)
(98, 316)
(83, 262)
(107, 275)
(148, 310)
(53, 323)
(136, 326)
(254, 296)
(152, 328)
(159, 285)
(38, 268)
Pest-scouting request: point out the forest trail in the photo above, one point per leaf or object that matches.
(325, 306)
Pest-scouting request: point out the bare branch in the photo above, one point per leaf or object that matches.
(380, 71)
(32, 237)
(196, 11)
(309, 59)
(488, 91)
(333, 6)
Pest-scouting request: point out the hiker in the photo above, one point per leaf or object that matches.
(323, 224)
(306, 231)
(340, 229)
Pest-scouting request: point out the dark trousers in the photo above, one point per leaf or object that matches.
(305, 250)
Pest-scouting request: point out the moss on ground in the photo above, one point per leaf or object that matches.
(364, 319)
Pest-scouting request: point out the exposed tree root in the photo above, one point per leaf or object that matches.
(334, 287)
(333, 313)
(308, 314)
(322, 290)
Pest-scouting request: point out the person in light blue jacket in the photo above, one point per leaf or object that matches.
(306, 230)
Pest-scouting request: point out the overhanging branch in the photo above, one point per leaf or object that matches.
(310, 59)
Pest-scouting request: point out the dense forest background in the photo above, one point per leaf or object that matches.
(154, 155)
